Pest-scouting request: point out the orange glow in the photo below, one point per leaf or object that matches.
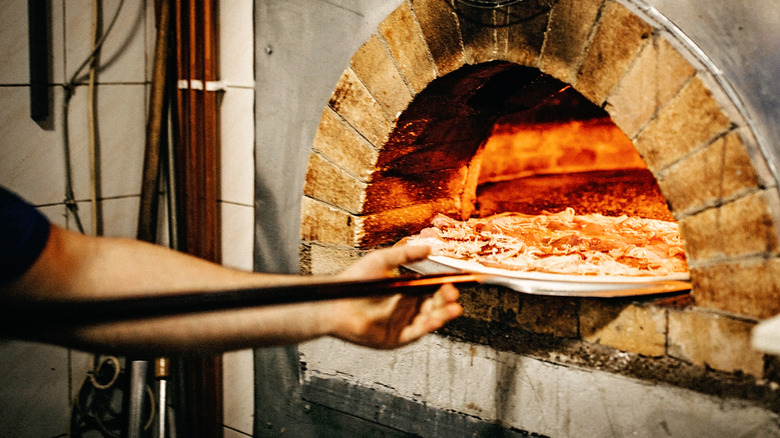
(517, 151)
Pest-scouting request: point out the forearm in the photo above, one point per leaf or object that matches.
(74, 266)
(203, 333)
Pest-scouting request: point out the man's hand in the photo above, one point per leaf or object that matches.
(397, 320)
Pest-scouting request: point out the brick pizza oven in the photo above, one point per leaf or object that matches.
(405, 136)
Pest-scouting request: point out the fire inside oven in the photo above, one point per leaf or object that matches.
(564, 153)
(522, 142)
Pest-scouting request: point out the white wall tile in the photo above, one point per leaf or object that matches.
(150, 37)
(34, 390)
(121, 122)
(56, 215)
(237, 188)
(61, 216)
(58, 41)
(236, 42)
(14, 46)
(237, 144)
(238, 384)
(80, 364)
(13, 51)
(120, 217)
(31, 158)
(230, 433)
(238, 225)
(122, 57)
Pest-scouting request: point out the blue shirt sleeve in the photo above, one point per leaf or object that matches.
(24, 232)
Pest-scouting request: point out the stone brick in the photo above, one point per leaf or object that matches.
(407, 131)
(407, 45)
(326, 259)
(389, 226)
(657, 75)
(375, 67)
(429, 158)
(617, 41)
(478, 33)
(355, 104)
(547, 315)
(489, 303)
(397, 192)
(710, 176)
(745, 287)
(455, 130)
(323, 223)
(520, 32)
(571, 22)
(624, 326)
(691, 119)
(708, 339)
(741, 228)
(328, 183)
(304, 257)
(439, 26)
(507, 308)
(343, 146)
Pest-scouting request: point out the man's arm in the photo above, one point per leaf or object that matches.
(75, 266)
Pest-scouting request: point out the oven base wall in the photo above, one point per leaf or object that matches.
(341, 407)
(518, 392)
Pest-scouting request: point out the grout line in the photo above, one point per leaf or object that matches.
(236, 430)
(240, 204)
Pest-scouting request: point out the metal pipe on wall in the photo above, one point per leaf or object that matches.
(197, 170)
(148, 211)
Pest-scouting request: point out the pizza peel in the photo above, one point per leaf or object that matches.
(553, 284)
(23, 317)
(18, 318)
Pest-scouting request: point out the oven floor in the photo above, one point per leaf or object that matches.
(633, 192)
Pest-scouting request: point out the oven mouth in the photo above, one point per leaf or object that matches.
(545, 151)
(521, 141)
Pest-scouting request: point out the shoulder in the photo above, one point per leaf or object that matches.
(24, 232)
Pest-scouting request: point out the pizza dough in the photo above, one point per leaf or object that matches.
(561, 243)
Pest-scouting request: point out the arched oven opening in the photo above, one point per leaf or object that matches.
(499, 138)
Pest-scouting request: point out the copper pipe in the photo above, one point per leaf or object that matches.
(197, 152)
(199, 141)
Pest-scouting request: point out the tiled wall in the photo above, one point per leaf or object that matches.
(37, 381)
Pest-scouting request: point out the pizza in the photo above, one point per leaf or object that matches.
(561, 243)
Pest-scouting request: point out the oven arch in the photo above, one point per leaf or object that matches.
(685, 126)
